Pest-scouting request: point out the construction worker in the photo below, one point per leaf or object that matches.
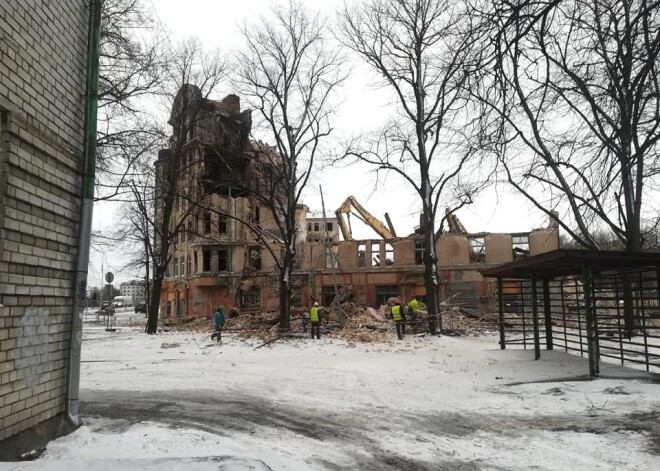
(399, 320)
(219, 321)
(315, 320)
(412, 308)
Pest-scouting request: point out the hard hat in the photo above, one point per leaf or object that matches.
(221, 307)
(316, 304)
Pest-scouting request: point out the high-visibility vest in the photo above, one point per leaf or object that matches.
(412, 305)
(396, 313)
(314, 314)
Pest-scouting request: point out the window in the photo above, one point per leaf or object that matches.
(328, 227)
(257, 214)
(389, 254)
(316, 227)
(195, 262)
(189, 265)
(520, 246)
(254, 258)
(222, 224)
(375, 254)
(207, 222)
(223, 260)
(206, 260)
(419, 252)
(385, 292)
(182, 262)
(309, 227)
(477, 249)
(328, 295)
(362, 254)
(175, 267)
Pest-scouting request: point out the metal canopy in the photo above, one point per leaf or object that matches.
(565, 262)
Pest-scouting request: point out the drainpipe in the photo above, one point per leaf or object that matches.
(84, 236)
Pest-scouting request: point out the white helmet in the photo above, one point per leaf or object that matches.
(316, 304)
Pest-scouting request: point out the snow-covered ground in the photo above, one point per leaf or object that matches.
(177, 401)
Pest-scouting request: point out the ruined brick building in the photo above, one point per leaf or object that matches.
(218, 260)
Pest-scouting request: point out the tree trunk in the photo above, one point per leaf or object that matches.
(154, 304)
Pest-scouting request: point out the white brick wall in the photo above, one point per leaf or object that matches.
(42, 85)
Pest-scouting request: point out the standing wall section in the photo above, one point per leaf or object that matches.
(43, 46)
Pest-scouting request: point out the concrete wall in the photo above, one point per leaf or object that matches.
(42, 89)
(453, 250)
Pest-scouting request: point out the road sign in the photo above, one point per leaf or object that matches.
(109, 277)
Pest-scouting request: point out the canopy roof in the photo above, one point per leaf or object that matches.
(565, 262)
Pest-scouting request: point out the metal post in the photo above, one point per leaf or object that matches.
(592, 334)
(535, 322)
(500, 304)
(548, 315)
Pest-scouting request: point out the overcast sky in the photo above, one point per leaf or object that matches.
(363, 107)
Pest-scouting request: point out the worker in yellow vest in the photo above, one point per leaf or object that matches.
(399, 320)
(412, 309)
(315, 320)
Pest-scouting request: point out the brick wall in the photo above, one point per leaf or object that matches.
(42, 86)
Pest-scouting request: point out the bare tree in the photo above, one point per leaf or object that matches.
(288, 75)
(421, 51)
(132, 66)
(574, 97)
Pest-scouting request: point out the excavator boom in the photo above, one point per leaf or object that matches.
(364, 215)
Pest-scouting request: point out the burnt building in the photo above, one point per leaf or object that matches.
(226, 247)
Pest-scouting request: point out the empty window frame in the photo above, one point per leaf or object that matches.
(222, 224)
(362, 254)
(477, 249)
(328, 226)
(206, 260)
(520, 246)
(254, 258)
(223, 259)
(389, 254)
(182, 262)
(375, 254)
(419, 252)
(316, 227)
(207, 221)
(175, 267)
(385, 292)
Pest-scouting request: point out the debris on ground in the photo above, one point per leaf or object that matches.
(346, 320)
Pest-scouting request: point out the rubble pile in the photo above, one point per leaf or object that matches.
(360, 323)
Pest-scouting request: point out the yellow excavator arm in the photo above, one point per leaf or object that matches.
(362, 214)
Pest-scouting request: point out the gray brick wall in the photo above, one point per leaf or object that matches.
(42, 86)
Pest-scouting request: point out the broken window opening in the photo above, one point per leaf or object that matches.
(206, 260)
(389, 254)
(316, 227)
(477, 249)
(254, 258)
(419, 252)
(362, 254)
(309, 227)
(375, 254)
(328, 227)
(520, 246)
(296, 296)
(223, 260)
(175, 267)
(195, 262)
(207, 221)
(328, 295)
(250, 299)
(385, 292)
(222, 224)
(257, 214)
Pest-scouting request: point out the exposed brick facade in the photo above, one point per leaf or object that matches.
(43, 47)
